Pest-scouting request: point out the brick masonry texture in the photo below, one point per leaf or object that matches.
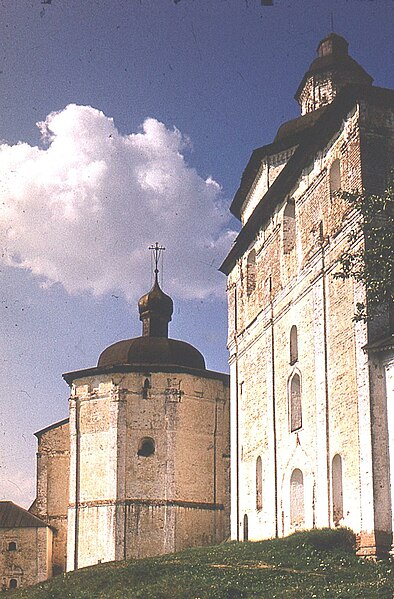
(343, 389)
(125, 504)
(30, 562)
(142, 466)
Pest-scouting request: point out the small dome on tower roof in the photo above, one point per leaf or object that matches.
(155, 307)
(331, 71)
(153, 347)
(333, 44)
(156, 301)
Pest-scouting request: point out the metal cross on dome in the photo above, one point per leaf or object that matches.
(157, 253)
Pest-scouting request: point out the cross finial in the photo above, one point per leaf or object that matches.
(157, 252)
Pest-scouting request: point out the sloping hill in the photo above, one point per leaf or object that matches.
(319, 564)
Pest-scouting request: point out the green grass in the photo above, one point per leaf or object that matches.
(319, 563)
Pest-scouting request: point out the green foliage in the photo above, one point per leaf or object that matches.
(370, 255)
(318, 563)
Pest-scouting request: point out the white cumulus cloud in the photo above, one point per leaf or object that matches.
(82, 208)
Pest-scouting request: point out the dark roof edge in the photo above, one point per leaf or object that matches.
(280, 144)
(314, 68)
(39, 433)
(28, 520)
(254, 164)
(69, 377)
(381, 345)
(315, 138)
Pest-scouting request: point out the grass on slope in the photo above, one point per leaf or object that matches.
(318, 563)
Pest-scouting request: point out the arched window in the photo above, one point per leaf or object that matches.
(146, 447)
(259, 484)
(251, 272)
(335, 176)
(297, 509)
(246, 528)
(289, 227)
(337, 489)
(295, 403)
(293, 345)
(13, 583)
(11, 546)
(145, 389)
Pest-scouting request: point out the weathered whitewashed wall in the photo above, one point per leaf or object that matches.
(31, 561)
(51, 504)
(123, 504)
(286, 279)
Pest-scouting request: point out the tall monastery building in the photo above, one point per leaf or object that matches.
(312, 391)
(140, 467)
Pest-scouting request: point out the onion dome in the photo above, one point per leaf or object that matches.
(153, 347)
(155, 308)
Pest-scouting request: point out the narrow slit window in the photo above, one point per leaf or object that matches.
(145, 389)
(289, 227)
(246, 528)
(335, 177)
(337, 489)
(259, 484)
(293, 345)
(251, 272)
(295, 403)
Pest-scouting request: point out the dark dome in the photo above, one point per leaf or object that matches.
(156, 301)
(333, 57)
(152, 350)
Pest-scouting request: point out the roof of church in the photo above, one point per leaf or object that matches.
(290, 134)
(14, 516)
(39, 433)
(152, 350)
(380, 345)
(312, 139)
(333, 57)
(70, 377)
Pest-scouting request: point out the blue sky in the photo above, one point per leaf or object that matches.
(149, 111)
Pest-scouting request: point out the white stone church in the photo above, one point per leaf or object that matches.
(141, 466)
(312, 398)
